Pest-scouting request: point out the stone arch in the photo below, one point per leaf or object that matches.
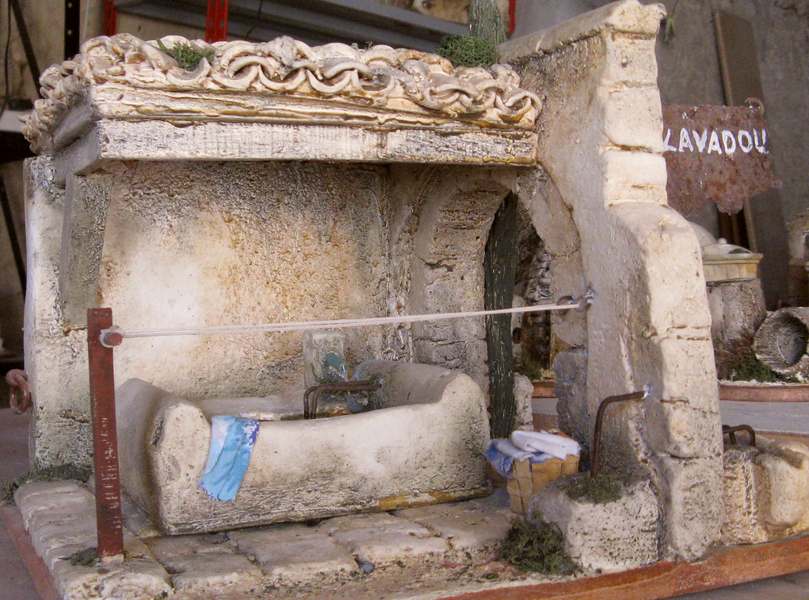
(452, 213)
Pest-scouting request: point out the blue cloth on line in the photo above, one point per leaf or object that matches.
(232, 441)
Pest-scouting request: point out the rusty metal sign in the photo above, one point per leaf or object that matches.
(717, 154)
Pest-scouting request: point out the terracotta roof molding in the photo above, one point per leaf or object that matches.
(381, 77)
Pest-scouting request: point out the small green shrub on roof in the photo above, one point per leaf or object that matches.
(468, 51)
(187, 55)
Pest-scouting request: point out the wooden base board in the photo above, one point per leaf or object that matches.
(724, 567)
(12, 520)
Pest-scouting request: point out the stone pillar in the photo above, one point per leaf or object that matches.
(650, 324)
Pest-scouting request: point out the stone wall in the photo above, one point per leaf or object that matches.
(203, 244)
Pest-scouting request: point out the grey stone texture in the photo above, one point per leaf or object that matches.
(313, 561)
(296, 554)
(766, 491)
(60, 519)
(615, 536)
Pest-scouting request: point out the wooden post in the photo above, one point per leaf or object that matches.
(500, 266)
(109, 519)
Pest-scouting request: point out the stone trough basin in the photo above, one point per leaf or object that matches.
(423, 446)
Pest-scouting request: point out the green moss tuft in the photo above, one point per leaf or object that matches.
(601, 489)
(746, 367)
(537, 548)
(60, 472)
(83, 558)
(187, 55)
(468, 51)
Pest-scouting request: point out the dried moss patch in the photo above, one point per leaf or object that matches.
(57, 473)
(187, 55)
(601, 489)
(538, 548)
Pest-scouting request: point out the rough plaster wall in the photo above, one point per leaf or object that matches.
(650, 322)
(447, 268)
(215, 244)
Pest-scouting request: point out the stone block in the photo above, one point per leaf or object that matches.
(634, 177)
(570, 368)
(744, 486)
(138, 579)
(382, 539)
(44, 506)
(472, 529)
(631, 61)
(296, 554)
(631, 117)
(786, 468)
(523, 391)
(316, 345)
(212, 574)
(615, 536)
(692, 504)
(167, 548)
(677, 428)
(32, 496)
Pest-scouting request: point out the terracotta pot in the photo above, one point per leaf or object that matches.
(764, 392)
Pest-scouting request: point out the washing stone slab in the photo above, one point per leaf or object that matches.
(295, 554)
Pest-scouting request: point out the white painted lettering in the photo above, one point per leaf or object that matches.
(729, 142)
(745, 141)
(685, 141)
(667, 144)
(761, 147)
(713, 145)
(701, 140)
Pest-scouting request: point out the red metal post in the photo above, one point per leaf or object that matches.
(216, 21)
(110, 18)
(105, 436)
(512, 16)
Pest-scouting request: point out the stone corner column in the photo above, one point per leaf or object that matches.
(600, 142)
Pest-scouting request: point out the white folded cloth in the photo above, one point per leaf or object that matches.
(542, 441)
(509, 449)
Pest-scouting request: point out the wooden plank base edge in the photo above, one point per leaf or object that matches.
(43, 584)
(723, 568)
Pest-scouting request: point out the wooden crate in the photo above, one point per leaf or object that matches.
(527, 479)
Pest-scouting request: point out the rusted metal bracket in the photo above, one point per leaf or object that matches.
(730, 431)
(109, 518)
(595, 462)
(311, 396)
(19, 391)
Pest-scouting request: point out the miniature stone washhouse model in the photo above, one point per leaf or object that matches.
(278, 183)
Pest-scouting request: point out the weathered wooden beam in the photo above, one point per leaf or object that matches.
(500, 271)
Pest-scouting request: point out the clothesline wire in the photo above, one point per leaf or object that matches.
(582, 302)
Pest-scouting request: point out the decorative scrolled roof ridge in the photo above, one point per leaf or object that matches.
(379, 76)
